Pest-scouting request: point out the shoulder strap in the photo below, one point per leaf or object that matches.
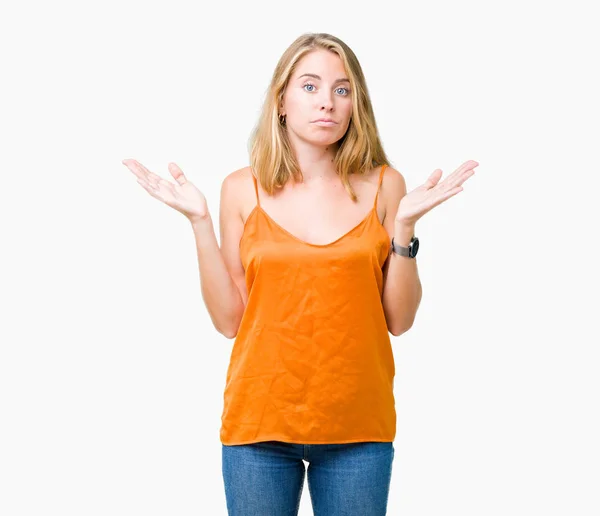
(379, 184)
(255, 188)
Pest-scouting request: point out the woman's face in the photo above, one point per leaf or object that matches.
(318, 88)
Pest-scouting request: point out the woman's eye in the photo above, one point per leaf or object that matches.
(346, 91)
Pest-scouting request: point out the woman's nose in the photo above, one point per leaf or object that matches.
(326, 102)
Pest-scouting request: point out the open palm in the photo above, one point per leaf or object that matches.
(182, 195)
(419, 201)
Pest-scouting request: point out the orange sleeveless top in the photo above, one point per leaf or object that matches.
(312, 361)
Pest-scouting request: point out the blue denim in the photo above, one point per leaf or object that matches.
(266, 478)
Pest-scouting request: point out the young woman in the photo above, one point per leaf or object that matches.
(316, 266)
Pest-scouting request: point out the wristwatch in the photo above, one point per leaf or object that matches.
(410, 251)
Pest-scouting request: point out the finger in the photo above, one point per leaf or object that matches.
(460, 175)
(132, 168)
(142, 171)
(459, 180)
(466, 167)
(433, 179)
(138, 171)
(177, 174)
(156, 180)
(151, 177)
(150, 189)
(464, 177)
(450, 193)
(145, 184)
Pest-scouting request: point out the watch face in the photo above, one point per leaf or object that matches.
(414, 247)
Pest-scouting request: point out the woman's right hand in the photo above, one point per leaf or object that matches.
(183, 195)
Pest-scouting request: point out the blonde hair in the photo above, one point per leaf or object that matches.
(360, 149)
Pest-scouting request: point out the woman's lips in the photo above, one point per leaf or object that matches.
(324, 124)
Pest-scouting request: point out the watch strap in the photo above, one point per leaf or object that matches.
(401, 250)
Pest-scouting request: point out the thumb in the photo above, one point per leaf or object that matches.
(433, 178)
(177, 174)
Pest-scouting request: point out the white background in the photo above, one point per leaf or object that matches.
(111, 373)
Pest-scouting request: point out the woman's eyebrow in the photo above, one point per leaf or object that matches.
(314, 75)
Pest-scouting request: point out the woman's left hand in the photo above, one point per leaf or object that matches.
(419, 201)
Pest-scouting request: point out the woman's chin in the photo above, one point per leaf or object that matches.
(323, 140)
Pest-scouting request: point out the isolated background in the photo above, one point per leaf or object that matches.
(111, 374)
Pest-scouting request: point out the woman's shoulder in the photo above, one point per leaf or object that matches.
(240, 190)
(393, 188)
(239, 175)
(391, 180)
(391, 177)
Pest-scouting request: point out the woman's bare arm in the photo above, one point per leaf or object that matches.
(221, 273)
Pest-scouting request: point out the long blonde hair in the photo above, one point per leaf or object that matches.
(360, 150)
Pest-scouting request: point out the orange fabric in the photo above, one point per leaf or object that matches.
(312, 362)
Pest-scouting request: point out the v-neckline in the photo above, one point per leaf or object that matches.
(258, 208)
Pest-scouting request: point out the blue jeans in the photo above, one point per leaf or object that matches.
(266, 478)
